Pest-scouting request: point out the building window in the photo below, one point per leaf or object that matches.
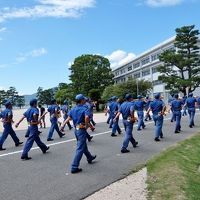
(146, 72)
(137, 75)
(155, 57)
(136, 65)
(157, 82)
(154, 70)
(145, 61)
(130, 68)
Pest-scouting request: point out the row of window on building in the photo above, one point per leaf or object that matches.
(143, 62)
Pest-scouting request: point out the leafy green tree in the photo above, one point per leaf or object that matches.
(2, 96)
(45, 96)
(95, 95)
(90, 72)
(12, 95)
(131, 86)
(181, 69)
(20, 101)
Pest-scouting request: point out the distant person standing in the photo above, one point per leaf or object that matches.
(80, 116)
(42, 111)
(65, 110)
(7, 119)
(32, 116)
(54, 111)
(148, 101)
(184, 107)
(190, 103)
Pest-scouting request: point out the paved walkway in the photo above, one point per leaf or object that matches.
(47, 176)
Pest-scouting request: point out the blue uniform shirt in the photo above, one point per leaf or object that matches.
(176, 105)
(65, 109)
(157, 106)
(26, 114)
(78, 114)
(190, 102)
(7, 113)
(30, 113)
(114, 107)
(126, 109)
(52, 110)
(139, 105)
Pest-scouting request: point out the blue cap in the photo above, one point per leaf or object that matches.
(80, 97)
(33, 101)
(176, 96)
(157, 96)
(65, 102)
(114, 98)
(139, 97)
(7, 103)
(190, 94)
(128, 96)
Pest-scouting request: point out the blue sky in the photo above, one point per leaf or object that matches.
(40, 38)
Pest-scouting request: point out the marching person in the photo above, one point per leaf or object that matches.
(139, 107)
(184, 107)
(158, 108)
(65, 110)
(127, 111)
(7, 119)
(90, 110)
(107, 112)
(176, 106)
(80, 116)
(114, 108)
(32, 116)
(42, 111)
(148, 101)
(54, 111)
(190, 103)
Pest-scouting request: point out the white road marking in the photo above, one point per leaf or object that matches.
(66, 141)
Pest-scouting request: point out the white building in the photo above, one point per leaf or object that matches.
(145, 66)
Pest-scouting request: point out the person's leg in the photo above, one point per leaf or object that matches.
(14, 136)
(3, 137)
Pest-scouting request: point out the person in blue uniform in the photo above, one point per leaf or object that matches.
(65, 110)
(80, 116)
(54, 111)
(158, 109)
(176, 105)
(198, 101)
(184, 107)
(139, 107)
(32, 116)
(190, 103)
(148, 101)
(170, 104)
(127, 111)
(107, 112)
(7, 119)
(90, 110)
(114, 108)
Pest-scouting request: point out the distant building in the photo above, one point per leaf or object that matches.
(145, 67)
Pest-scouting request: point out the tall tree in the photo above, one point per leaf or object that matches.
(181, 68)
(2, 96)
(12, 94)
(20, 101)
(90, 72)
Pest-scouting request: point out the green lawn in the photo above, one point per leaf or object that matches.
(175, 173)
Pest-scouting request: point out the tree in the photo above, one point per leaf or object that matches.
(12, 94)
(95, 95)
(181, 69)
(130, 86)
(2, 96)
(46, 96)
(20, 101)
(90, 72)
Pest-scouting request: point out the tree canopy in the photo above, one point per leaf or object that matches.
(90, 72)
(181, 66)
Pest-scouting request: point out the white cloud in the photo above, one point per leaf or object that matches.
(119, 57)
(34, 53)
(48, 8)
(3, 29)
(162, 3)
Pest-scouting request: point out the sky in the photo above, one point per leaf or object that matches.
(39, 39)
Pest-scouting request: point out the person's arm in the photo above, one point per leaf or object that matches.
(18, 123)
(64, 123)
(42, 116)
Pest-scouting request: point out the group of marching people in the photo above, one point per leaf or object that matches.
(82, 117)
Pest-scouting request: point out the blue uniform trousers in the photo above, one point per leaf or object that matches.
(115, 126)
(177, 117)
(140, 119)
(8, 130)
(158, 119)
(184, 111)
(191, 112)
(54, 126)
(128, 137)
(173, 118)
(81, 148)
(109, 118)
(33, 137)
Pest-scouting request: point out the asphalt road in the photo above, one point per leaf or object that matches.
(47, 176)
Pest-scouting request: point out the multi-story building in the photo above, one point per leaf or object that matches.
(144, 66)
